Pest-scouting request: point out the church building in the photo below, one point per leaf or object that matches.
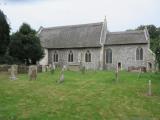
(94, 47)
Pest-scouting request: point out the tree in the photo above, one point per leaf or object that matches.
(158, 56)
(4, 34)
(153, 32)
(25, 45)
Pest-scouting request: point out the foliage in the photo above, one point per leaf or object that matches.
(151, 29)
(4, 34)
(81, 97)
(158, 56)
(25, 45)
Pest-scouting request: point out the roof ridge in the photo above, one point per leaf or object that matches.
(127, 32)
(71, 26)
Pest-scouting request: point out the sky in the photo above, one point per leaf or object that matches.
(121, 14)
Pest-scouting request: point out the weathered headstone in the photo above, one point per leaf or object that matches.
(13, 72)
(53, 68)
(149, 88)
(83, 69)
(32, 72)
(61, 79)
(49, 67)
(116, 73)
(64, 68)
(43, 68)
(139, 74)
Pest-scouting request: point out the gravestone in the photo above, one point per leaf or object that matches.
(149, 88)
(83, 69)
(49, 67)
(32, 72)
(13, 72)
(53, 68)
(61, 79)
(43, 68)
(116, 73)
(64, 67)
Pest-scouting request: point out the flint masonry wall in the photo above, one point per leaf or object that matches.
(78, 55)
(126, 55)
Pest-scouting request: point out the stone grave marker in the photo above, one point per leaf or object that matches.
(53, 68)
(149, 88)
(32, 72)
(13, 72)
(116, 73)
(43, 68)
(61, 79)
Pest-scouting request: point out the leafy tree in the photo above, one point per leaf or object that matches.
(158, 56)
(153, 32)
(4, 34)
(25, 45)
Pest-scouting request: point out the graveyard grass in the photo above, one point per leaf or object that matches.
(91, 96)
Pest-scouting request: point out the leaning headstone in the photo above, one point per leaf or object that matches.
(139, 74)
(149, 88)
(64, 68)
(53, 68)
(61, 79)
(83, 69)
(116, 73)
(49, 67)
(13, 72)
(43, 68)
(32, 72)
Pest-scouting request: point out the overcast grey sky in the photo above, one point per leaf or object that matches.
(120, 14)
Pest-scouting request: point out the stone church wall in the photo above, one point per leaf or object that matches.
(78, 56)
(126, 55)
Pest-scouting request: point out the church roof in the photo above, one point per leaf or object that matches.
(74, 36)
(126, 37)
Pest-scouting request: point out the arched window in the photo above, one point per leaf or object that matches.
(109, 56)
(139, 54)
(70, 56)
(55, 57)
(88, 56)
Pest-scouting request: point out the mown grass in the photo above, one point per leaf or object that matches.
(91, 96)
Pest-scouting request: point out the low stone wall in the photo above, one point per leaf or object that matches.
(137, 69)
(4, 68)
(74, 67)
(22, 69)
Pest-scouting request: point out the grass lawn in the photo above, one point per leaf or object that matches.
(92, 96)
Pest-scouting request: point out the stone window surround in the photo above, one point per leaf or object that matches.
(88, 56)
(55, 56)
(106, 56)
(140, 55)
(70, 56)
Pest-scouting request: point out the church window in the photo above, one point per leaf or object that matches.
(88, 56)
(55, 57)
(139, 54)
(109, 56)
(70, 56)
